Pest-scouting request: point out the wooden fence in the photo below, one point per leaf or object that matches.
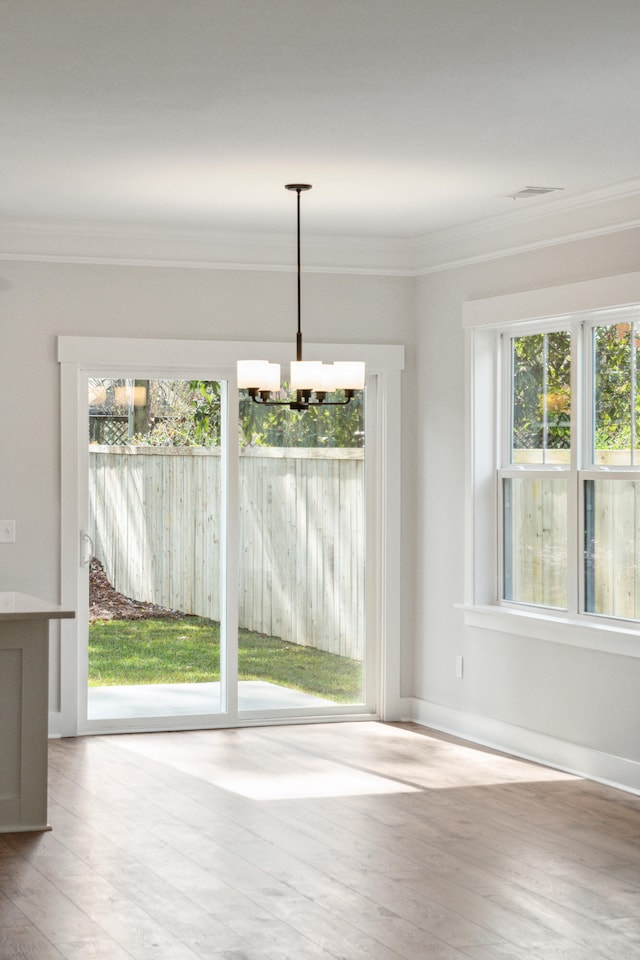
(535, 556)
(536, 543)
(614, 548)
(155, 522)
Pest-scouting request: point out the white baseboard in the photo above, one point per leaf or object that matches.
(552, 752)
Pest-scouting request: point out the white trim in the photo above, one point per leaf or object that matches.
(388, 549)
(529, 225)
(90, 355)
(589, 631)
(554, 240)
(533, 225)
(572, 758)
(172, 264)
(70, 420)
(602, 293)
(230, 551)
(217, 722)
(138, 245)
(102, 352)
(481, 546)
(546, 207)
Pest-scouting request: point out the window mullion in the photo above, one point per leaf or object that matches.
(574, 503)
(545, 397)
(585, 437)
(505, 402)
(632, 346)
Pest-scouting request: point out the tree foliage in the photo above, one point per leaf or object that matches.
(541, 372)
(615, 351)
(339, 426)
(541, 391)
(188, 413)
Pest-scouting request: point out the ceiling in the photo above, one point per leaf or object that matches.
(407, 116)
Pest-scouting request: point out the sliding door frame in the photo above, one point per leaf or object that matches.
(83, 357)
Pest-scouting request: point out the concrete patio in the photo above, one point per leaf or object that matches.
(191, 699)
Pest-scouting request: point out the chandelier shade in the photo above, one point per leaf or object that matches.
(258, 373)
(349, 374)
(312, 381)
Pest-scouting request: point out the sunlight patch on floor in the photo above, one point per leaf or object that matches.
(293, 777)
(292, 762)
(332, 781)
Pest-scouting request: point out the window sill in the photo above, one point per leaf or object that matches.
(621, 639)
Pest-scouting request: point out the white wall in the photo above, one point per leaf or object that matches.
(586, 699)
(41, 300)
(516, 692)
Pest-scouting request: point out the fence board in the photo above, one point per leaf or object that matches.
(539, 548)
(155, 520)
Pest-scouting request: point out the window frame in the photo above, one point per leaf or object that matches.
(488, 326)
(507, 469)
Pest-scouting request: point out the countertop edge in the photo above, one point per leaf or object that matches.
(22, 606)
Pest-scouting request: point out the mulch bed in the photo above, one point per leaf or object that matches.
(105, 603)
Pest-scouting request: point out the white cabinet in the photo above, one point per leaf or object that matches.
(24, 710)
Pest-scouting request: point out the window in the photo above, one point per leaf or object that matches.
(534, 483)
(612, 485)
(568, 475)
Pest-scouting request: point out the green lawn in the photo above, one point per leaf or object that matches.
(188, 651)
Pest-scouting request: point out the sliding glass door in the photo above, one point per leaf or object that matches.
(302, 549)
(153, 548)
(153, 552)
(225, 563)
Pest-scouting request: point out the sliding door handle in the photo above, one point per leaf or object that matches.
(86, 548)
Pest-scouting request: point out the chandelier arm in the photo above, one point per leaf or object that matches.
(300, 404)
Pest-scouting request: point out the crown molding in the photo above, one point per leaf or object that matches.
(139, 245)
(544, 221)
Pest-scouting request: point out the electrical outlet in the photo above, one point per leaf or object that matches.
(7, 531)
(459, 667)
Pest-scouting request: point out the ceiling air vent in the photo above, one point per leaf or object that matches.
(531, 192)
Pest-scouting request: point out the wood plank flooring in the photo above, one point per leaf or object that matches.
(337, 841)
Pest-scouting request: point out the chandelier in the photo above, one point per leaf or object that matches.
(312, 381)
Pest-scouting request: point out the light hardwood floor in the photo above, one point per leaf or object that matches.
(318, 842)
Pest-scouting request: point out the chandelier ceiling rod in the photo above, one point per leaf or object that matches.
(298, 187)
